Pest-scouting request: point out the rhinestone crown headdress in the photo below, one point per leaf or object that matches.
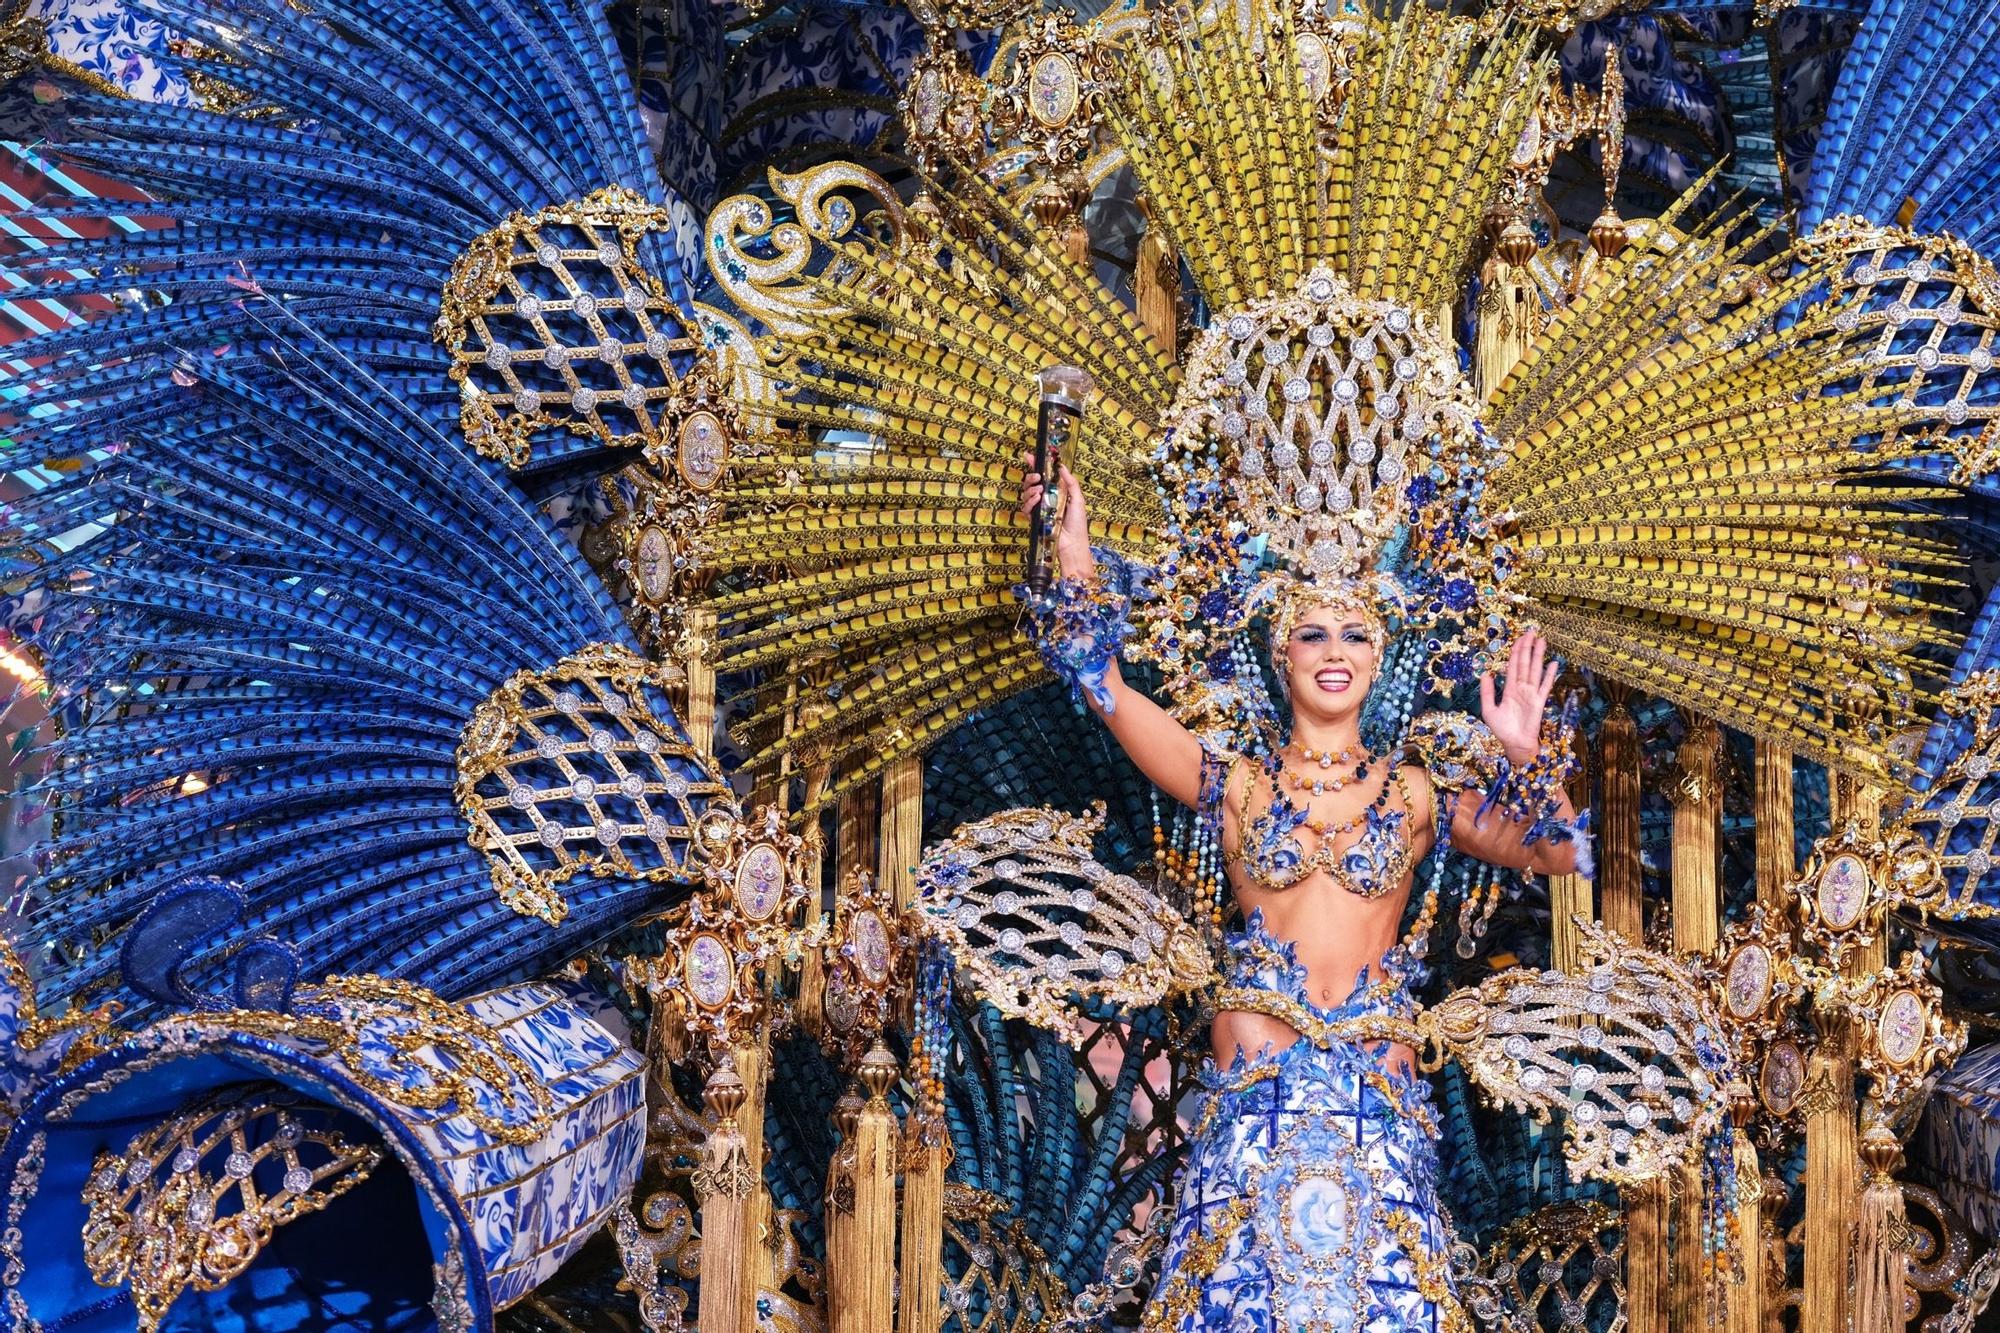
(1313, 402)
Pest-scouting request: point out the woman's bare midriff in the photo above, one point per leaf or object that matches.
(1335, 934)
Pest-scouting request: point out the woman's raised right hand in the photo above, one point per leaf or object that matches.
(1072, 534)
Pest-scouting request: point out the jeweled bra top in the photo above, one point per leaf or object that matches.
(1271, 853)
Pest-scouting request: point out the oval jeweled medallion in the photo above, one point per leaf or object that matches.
(1748, 983)
(1784, 1073)
(1843, 891)
(871, 946)
(1315, 65)
(1054, 90)
(710, 975)
(843, 1007)
(653, 563)
(760, 881)
(1899, 1032)
(927, 102)
(703, 450)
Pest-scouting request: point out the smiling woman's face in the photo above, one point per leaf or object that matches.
(1329, 663)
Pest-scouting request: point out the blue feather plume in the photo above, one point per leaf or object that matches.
(292, 584)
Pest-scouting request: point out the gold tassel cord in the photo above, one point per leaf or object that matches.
(869, 1293)
(919, 1308)
(1696, 792)
(1742, 1292)
(842, 1255)
(726, 1186)
(1881, 1254)
(1831, 1190)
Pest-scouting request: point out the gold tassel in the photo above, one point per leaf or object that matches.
(1507, 308)
(902, 829)
(924, 1140)
(1881, 1255)
(753, 1062)
(1830, 1187)
(1697, 829)
(1156, 285)
(871, 1293)
(1618, 818)
(698, 658)
(1076, 240)
(1572, 896)
(811, 1005)
(1646, 1269)
(1743, 1291)
(727, 1186)
(1777, 859)
(840, 1240)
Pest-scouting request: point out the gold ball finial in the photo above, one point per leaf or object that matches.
(725, 1091)
(1516, 244)
(878, 1070)
(1881, 1151)
(1608, 235)
(847, 1112)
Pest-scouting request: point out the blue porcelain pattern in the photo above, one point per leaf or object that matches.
(1309, 1197)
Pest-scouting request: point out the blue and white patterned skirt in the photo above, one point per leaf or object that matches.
(1309, 1197)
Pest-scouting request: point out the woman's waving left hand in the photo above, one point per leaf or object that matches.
(1515, 716)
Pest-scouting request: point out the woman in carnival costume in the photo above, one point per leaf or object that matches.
(1309, 1196)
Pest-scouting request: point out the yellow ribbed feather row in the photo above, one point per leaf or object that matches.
(1692, 512)
(1678, 483)
(890, 511)
(1256, 187)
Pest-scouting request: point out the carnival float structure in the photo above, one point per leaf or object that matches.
(551, 798)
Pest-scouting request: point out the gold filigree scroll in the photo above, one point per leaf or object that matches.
(192, 1201)
(554, 322)
(568, 771)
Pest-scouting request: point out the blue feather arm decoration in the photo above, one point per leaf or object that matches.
(387, 139)
(299, 591)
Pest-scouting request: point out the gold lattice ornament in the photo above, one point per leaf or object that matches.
(555, 322)
(192, 1201)
(574, 770)
(1955, 818)
(714, 976)
(1043, 930)
(1921, 314)
(1556, 1268)
(1628, 1051)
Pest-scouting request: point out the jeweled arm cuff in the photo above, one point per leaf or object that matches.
(1078, 626)
(1532, 793)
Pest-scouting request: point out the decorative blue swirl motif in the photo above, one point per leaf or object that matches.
(1309, 1196)
(163, 940)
